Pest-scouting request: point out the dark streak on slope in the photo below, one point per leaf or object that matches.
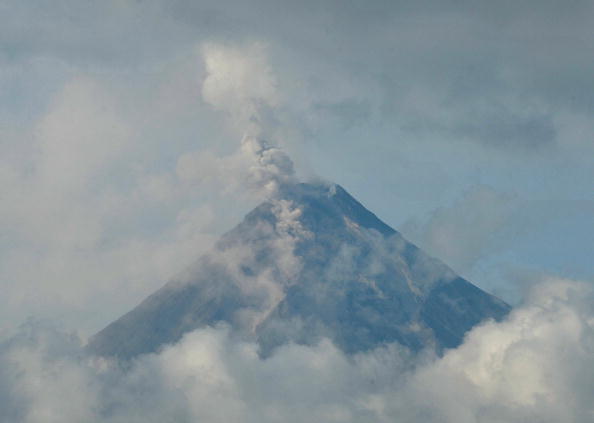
(358, 283)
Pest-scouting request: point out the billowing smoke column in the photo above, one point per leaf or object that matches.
(271, 167)
(240, 83)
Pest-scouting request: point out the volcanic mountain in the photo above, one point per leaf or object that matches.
(307, 264)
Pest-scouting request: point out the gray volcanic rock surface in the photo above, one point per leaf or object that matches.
(310, 263)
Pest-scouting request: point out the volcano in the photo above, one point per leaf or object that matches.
(309, 263)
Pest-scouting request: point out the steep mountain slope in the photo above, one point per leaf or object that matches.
(310, 263)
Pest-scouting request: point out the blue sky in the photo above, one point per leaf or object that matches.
(466, 125)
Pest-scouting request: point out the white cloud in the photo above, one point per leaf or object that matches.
(72, 144)
(74, 202)
(535, 366)
(256, 165)
(86, 209)
(83, 238)
(80, 133)
(531, 367)
(240, 82)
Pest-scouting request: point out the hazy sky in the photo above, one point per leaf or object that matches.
(466, 125)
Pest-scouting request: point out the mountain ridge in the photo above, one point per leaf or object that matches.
(309, 263)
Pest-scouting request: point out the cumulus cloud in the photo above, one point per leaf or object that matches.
(92, 190)
(534, 366)
(526, 368)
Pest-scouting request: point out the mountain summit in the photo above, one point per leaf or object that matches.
(310, 263)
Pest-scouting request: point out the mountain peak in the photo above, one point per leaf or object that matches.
(309, 263)
(334, 199)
